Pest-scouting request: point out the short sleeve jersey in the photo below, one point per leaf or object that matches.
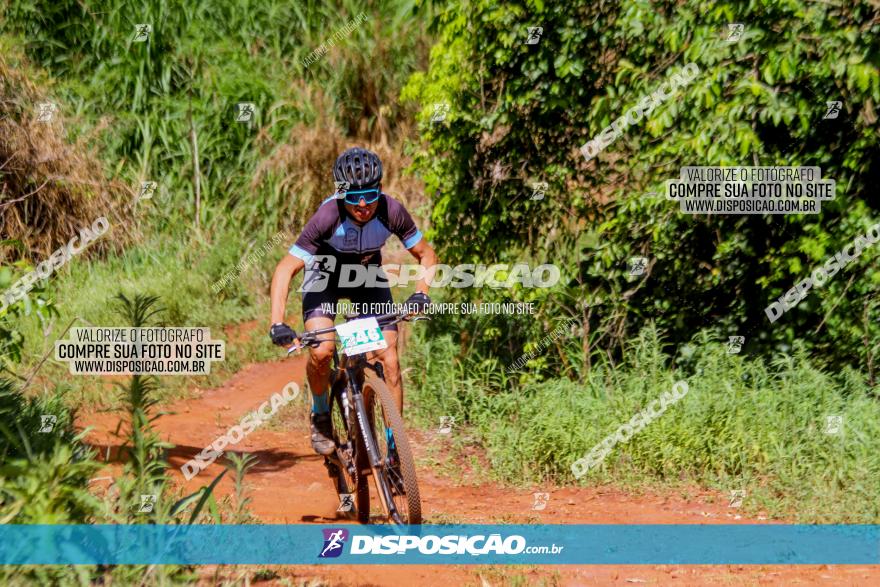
(330, 231)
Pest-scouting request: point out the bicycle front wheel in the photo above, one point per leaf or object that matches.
(396, 475)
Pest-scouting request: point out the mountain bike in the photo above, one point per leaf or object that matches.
(367, 426)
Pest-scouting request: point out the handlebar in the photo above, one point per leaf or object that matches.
(310, 338)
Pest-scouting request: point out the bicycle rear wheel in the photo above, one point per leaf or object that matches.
(352, 456)
(396, 477)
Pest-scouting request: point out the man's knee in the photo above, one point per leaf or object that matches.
(389, 362)
(320, 357)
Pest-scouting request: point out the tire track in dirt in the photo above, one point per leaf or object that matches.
(290, 485)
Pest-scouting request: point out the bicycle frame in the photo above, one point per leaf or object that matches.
(353, 368)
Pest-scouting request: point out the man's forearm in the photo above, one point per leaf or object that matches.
(284, 273)
(428, 261)
(278, 295)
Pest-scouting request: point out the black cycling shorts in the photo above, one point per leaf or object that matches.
(315, 303)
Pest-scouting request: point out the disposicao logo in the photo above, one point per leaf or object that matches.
(334, 539)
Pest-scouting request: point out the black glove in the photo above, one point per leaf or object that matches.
(282, 334)
(418, 303)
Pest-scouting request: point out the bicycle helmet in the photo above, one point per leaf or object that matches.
(359, 167)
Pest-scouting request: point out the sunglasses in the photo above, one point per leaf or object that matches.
(369, 196)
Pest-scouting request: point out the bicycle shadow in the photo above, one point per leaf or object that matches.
(269, 460)
(376, 518)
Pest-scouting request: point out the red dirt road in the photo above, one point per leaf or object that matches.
(290, 485)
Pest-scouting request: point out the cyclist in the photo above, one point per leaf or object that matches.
(349, 228)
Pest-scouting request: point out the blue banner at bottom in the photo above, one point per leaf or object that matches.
(580, 544)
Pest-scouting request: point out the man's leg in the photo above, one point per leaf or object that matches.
(391, 368)
(378, 301)
(318, 374)
(388, 358)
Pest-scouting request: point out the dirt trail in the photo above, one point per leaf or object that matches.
(290, 485)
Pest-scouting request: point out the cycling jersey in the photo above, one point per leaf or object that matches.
(331, 232)
(331, 239)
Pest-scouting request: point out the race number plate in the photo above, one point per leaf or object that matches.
(361, 336)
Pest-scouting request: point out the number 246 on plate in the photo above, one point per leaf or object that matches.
(361, 336)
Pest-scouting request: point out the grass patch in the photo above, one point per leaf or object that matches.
(744, 424)
(180, 271)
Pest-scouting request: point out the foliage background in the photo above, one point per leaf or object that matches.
(519, 114)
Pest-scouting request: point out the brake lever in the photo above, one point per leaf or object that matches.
(294, 349)
(414, 317)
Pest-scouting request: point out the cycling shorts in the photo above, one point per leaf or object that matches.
(323, 303)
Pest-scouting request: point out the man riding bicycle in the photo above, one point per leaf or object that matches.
(349, 228)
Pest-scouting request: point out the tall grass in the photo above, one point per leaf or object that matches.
(45, 475)
(180, 272)
(141, 104)
(201, 59)
(745, 423)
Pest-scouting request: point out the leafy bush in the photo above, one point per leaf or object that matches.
(45, 474)
(519, 114)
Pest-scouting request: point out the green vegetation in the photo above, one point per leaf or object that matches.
(141, 111)
(176, 272)
(175, 94)
(46, 471)
(163, 110)
(743, 424)
(519, 114)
